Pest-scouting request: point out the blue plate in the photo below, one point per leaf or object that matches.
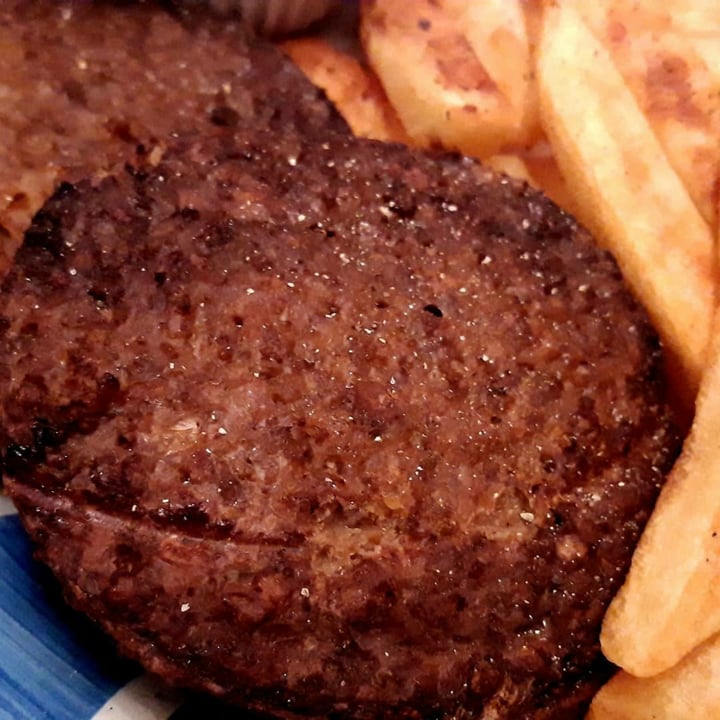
(53, 663)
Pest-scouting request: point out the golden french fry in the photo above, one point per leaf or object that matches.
(353, 89)
(512, 165)
(688, 691)
(670, 602)
(626, 192)
(674, 74)
(455, 86)
(699, 18)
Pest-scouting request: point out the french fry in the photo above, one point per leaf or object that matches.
(699, 18)
(455, 86)
(513, 165)
(354, 90)
(670, 602)
(688, 691)
(626, 191)
(674, 74)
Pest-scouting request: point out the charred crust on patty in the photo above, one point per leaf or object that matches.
(332, 428)
(370, 433)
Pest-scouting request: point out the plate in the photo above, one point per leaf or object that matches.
(54, 664)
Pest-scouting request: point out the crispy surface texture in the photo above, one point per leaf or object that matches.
(688, 690)
(627, 191)
(537, 166)
(669, 603)
(333, 428)
(669, 59)
(85, 86)
(455, 87)
(352, 88)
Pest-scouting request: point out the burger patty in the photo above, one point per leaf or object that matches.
(339, 429)
(85, 86)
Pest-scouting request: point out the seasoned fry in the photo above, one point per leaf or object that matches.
(625, 188)
(688, 691)
(674, 76)
(353, 89)
(455, 87)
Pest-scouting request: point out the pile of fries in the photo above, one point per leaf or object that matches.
(612, 108)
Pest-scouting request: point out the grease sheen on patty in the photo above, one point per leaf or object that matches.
(333, 428)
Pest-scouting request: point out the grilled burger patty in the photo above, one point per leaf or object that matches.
(333, 428)
(87, 86)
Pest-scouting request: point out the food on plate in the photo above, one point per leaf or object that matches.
(670, 602)
(630, 97)
(357, 94)
(89, 86)
(537, 166)
(360, 564)
(687, 691)
(455, 87)
(660, 52)
(627, 191)
(336, 427)
(510, 164)
(352, 88)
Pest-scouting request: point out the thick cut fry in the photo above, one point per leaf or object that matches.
(354, 90)
(626, 191)
(688, 691)
(455, 86)
(693, 18)
(674, 75)
(670, 602)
